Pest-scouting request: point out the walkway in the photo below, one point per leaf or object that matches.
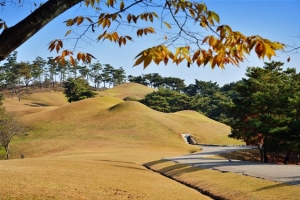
(279, 173)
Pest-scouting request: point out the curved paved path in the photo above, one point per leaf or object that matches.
(279, 173)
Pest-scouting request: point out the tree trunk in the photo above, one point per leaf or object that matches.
(19, 90)
(287, 158)
(261, 153)
(12, 37)
(7, 150)
(266, 159)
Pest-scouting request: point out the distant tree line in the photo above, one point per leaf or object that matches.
(173, 95)
(42, 73)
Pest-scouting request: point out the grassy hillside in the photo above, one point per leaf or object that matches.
(48, 98)
(107, 121)
(36, 102)
(94, 148)
(135, 90)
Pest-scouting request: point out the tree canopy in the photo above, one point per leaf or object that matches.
(219, 46)
(265, 109)
(9, 127)
(77, 89)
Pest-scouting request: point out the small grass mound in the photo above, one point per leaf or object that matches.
(130, 106)
(47, 98)
(127, 89)
(132, 98)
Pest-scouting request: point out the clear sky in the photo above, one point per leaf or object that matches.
(277, 20)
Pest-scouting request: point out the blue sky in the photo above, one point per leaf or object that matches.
(277, 20)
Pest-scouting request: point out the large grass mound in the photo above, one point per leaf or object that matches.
(134, 90)
(107, 122)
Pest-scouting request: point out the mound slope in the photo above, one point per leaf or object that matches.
(128, 90)
(48, 98)
(102, 122)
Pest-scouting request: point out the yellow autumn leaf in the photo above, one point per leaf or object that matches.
(122, 5)
(72, 60)
(167, 25)
(150, 17)
(68, 32)
(192, 13)
(114, 16)
(269, 51)
(52, 45)
(88, 58)
(83, 57)
(155, 15)
(79, 20)
(79, 56)
(69, 22)
(178, 49)
(166, 60)
(199, 62)
(129, 18)
(196, 55)
(215, 16)
(63, 61)
(120, 41)
(260, 49)
(128, 37)
(57, 48)
(139, 60)
(134, 18)
(60, 43)
(147, 61)
(110, 2)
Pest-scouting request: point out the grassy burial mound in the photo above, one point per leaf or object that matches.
(48, 98)
(128, 90)
(35, 102)
(107, 122)
(203, 129)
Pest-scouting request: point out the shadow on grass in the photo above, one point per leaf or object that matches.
(149, 164)
(37, 104)
(272, 187)
(128, 167)
(116, 161)
(176, 170)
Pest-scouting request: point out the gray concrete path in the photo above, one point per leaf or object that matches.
(279, 173)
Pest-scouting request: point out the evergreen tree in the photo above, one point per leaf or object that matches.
(77, 89)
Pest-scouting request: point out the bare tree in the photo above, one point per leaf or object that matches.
(9, 127)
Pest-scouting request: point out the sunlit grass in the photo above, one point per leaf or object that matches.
(122, 91)
(226, 185)
(95, 148)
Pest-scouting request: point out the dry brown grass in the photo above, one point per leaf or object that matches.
(127, 90)
(47, 98)
(95, 148)
(87, 176)
(226, 185)
(115, 122)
